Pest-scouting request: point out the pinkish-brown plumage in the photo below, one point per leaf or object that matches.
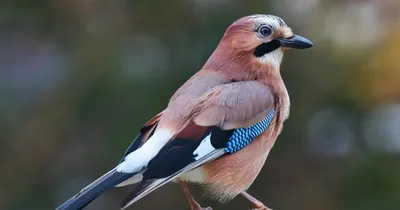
(233, 61)
(229, 175)
(238, 85)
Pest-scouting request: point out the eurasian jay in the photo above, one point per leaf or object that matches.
(218, 127)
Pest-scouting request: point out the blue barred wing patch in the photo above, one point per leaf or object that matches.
(243, 136)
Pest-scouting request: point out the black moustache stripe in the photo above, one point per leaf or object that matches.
(265, 48)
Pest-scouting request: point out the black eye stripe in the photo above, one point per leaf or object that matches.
(265, 48)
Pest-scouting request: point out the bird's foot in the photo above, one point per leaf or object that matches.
(261, 206)
(193, 203)
(258, 205)
(201, 208)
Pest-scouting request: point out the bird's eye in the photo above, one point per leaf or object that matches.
(264, 30)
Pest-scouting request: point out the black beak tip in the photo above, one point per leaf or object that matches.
(296, 42)
(305, 43)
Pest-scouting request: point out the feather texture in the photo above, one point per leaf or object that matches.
(243, 136)
(234, 105)
(218, 127)
(183, 155)
(93, 190)
(111, 178)
(145, 132)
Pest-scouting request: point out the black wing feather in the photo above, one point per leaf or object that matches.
(179, 153)
(138, 141)
(176, 158)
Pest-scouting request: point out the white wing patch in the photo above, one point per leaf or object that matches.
(138, 159)
(204, 148)
(160, 182)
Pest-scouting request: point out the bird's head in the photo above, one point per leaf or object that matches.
(258, 40)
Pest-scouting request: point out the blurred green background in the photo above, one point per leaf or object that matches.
(79, 77)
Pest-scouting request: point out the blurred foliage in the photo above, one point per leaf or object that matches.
(79, 77)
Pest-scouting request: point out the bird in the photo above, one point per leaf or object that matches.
(218, 127)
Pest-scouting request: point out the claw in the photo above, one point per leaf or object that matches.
(207, 208)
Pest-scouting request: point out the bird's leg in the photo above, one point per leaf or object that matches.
(258, 205)
(193, 204)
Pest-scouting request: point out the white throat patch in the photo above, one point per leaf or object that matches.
(274, 58)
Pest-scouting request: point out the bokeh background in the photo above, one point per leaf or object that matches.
(79, 77)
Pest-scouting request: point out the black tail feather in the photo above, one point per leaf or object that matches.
(138, 189)
(95, 189)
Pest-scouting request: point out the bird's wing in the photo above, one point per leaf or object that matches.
(234, 105)
(211, 133)
(148, 143)
(145, 133)
(113, 177)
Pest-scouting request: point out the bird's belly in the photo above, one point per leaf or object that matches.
(227, 176)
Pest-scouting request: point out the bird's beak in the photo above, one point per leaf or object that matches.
(296, 42)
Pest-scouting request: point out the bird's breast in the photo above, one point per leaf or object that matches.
(227, 176)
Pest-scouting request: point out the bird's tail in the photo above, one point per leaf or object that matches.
(147, 186)
(95, 189)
